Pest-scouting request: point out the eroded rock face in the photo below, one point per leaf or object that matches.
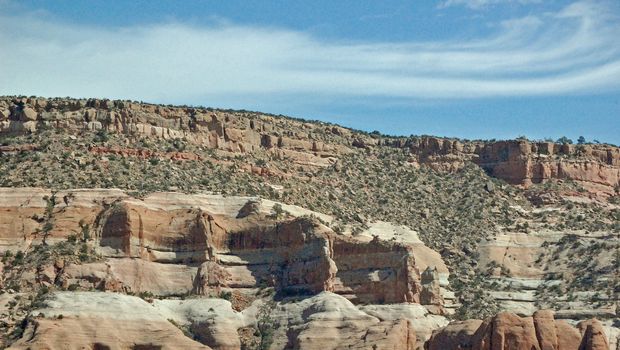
(78, 320)
(170, 245)
(130, 275)
(375, 272)
(204, 243)
(228, 131)
(457, 335)
(593, 335)
(107, 320)
(329, 321)
(524, 163)
(431, 290)
(520, 162)
(507, 331)
(524, 264)
(422, 322)
(82, 320)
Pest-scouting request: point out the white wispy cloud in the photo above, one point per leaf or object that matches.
(481, 4)
(572, 51)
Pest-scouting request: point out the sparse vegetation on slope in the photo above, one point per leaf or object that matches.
(453, 211)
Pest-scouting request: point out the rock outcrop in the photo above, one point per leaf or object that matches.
(455, 336)
(203, 244)
(168, 245)
(507, 331)
(328, 321)
(593, 335)
(526, 265)
(521, 162)
(228, 131)
(73, 320)
(226, 272)
(82, 320)
(596, 167)
(88, 319)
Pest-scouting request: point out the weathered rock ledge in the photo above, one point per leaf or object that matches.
(172, 246)
(213, 241)
(596, 167)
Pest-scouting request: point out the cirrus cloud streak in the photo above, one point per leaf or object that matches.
(573, 51)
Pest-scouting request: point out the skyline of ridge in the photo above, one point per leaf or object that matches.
(475, 69)
(560, 140)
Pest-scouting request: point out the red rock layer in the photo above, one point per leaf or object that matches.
(507, 331)
(518, 161)
(521, 162)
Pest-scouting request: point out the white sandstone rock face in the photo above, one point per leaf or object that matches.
(516, 252)
(613, 334)
(325, 321)
(83, 320)
(422, 321)
(190, 311)
(212, 321)
(294, 210)
(107, 305)
(424, 255)
(527, 265)
(330, 321)
(219, 204)
(134, 275)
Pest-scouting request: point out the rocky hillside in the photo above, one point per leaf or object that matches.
(597, 167)
(179, 249)
(240, 230)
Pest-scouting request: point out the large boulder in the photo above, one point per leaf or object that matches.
(554, 334)
(28, 114)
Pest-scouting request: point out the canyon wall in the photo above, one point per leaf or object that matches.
(222, 242)
(172, 245)
(380, 288)
(522, 162)
(519, 162)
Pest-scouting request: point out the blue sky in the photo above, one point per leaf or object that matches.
(464, 68)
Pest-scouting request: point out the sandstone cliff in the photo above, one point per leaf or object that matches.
(522, 162)
(596, 167)
(414, 232)
(168, 245)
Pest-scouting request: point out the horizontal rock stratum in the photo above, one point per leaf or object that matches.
(168, 245)
(128, 225)
(180, 251)
(215, 242)
(520, 162)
